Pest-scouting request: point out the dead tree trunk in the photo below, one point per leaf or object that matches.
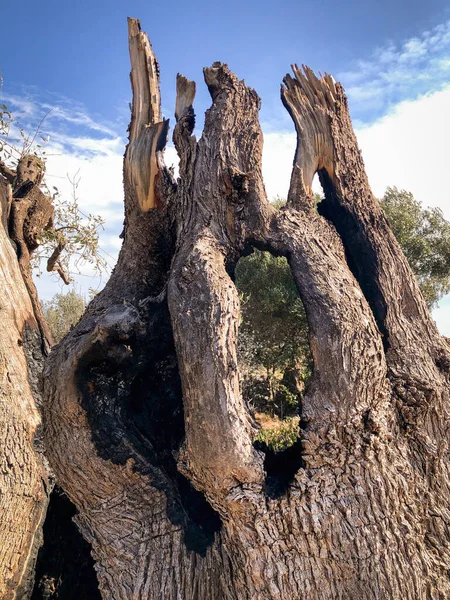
(145, 423)
(24, 341)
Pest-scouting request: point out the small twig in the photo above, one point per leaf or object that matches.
(53, 263)
(28, 145)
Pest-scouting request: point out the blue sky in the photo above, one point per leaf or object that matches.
(393, 58)
(79, 49)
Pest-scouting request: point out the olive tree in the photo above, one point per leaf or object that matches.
(145, 423)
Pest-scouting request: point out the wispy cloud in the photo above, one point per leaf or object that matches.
(77, 146)
(55, 114)
(76, 117)
(399, 72)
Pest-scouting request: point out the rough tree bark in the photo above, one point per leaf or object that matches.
(24, 341)
(41, 553)
(145, 424)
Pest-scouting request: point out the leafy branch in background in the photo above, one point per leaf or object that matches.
(424, 236)
(62, 312)
(71, 239)
(273, 335)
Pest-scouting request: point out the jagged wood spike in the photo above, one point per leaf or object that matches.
(146, 104)
(185, 95)
(148, 132)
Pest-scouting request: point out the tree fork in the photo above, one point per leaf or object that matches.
(145, 423)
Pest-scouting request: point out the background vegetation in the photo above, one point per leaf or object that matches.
(74, 234)
(275, 357)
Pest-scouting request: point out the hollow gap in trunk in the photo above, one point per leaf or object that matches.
(133, 399)
(274, 360)
(361, 257)
(318, 191)
(65, 567)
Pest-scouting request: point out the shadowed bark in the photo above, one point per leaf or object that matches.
(26, 481)
(145, 424)
(64, 566)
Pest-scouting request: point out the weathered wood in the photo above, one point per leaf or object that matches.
(148, 131)
(23, 477)
(142, 397)
(217, 451)
(30, 212)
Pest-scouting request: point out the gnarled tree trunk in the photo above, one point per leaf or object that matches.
(145, 424)
(24, 341)
(42, 554)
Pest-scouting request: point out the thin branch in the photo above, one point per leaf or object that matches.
(8, 173)
(29, 144)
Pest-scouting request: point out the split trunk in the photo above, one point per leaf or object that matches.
(145, 424)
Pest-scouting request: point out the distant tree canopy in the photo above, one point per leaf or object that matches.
(62, 312)
(273, 337)
(424, 236)
(273, 314)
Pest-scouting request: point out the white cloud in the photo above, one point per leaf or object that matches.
(399, 72)
(442, 316)
(77, 117)
(409, 148)
(278, 157)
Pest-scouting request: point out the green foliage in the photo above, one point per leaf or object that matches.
(424, 236)
(76, 232)
(271, 395)
(62, 312)
(274, 354)
(273, 331)
(281, 437)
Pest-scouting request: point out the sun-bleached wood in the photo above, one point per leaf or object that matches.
(148, 131)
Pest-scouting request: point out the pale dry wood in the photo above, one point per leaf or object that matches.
(148, 131)
(185, 95)
(310, 101)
